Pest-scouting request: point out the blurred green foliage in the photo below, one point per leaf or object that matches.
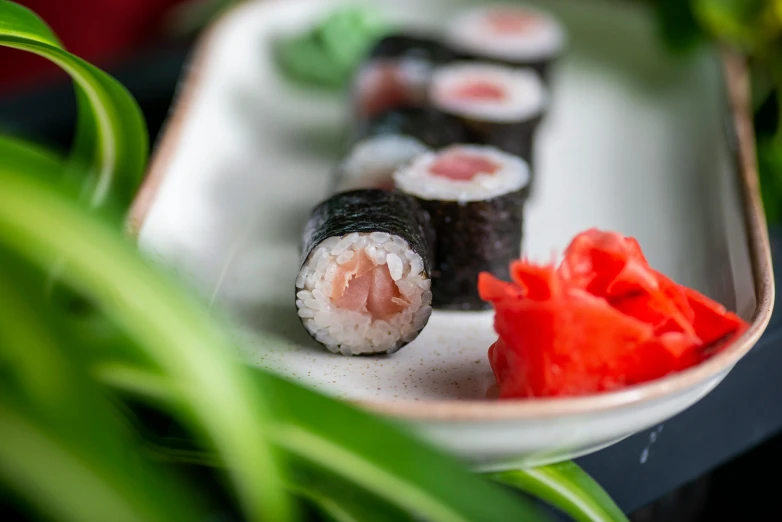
(753, 27)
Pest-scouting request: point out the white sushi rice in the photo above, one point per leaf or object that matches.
(373, 160)
(418, 180)
(471, 32)
(357, 332)
(525, 95)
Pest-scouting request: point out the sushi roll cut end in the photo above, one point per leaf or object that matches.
(488, 92)
(385, 84)
(396, 73)
(363, 293)
(463, 173)
(373, 160)
(507, 32)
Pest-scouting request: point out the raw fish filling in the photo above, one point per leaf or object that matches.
(602, 320)
(479, 90)
(384, 87)
(461, 166)
(511, 21)
(361, 285)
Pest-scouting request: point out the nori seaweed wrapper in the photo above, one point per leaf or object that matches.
(473, 237)
(366, 211)
(404, 45)
(432, 127)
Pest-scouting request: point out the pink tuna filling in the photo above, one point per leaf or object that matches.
(478, 90)
(462, 166)
(511, 21)
(384, 90)
(361, 285)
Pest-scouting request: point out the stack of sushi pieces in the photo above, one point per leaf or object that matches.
(432, 189)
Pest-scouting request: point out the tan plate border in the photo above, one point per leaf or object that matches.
(737, 82)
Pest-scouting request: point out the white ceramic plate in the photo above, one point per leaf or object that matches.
(634, 142)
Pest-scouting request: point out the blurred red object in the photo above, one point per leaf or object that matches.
(97, 30)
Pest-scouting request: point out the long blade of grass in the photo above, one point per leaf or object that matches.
(357, 448)
(173, 330)
(568, 488)
(111, 143)
(60, 439)
(334, 497)
(384, 460)
(37, 466)
(340, 500)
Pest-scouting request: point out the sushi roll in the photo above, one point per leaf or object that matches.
(373, 160)
(498, 105)
(474, 196)
(363, 286)
(431, 127)
(396, 73)
(508, 34)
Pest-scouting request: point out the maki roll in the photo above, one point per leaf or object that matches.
(373, 160)
(498, 105)
(474, 196)
(431, 127)
(396, 73)
(364, 285)
(508, 34)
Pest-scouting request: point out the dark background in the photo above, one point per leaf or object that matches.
(715, 461)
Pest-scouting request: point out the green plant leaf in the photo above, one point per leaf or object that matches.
(60, 438)
(75, 488)
(334, 497)
(44, 164)
(677, 24)
(568, 488)
(175, 332)
(357, 448)
(752, 25)
(111, 141)
(385, 461)
(769, 153)
(339, 500)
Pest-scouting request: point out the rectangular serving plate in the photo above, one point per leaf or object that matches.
(636, 141)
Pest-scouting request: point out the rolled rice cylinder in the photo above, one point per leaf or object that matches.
(509, 34)
(364, 285)
(373, 160)
(431, 127)
(474, 196)
(498, 105)
(396, 73)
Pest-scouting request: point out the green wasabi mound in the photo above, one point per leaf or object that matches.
(326, 55)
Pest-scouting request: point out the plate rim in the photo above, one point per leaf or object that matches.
(736, 78)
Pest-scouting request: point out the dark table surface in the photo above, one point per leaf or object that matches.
(741, 413)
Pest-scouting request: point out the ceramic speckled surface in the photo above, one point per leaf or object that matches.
(634, 142)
